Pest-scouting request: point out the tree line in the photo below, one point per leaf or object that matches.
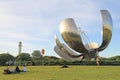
(36, 58)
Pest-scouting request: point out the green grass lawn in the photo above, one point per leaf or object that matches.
(71, 73)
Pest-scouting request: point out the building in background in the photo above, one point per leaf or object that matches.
(19, 47)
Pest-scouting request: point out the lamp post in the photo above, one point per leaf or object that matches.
(43, 52)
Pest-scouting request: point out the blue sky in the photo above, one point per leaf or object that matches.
(35, 22)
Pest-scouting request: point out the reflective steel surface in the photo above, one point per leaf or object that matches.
(72, 37)
(66, 53)
(107, 29)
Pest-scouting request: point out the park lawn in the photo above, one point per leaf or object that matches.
(71, 73)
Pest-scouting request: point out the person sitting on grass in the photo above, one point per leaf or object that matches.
(24, 69)
(17, 70)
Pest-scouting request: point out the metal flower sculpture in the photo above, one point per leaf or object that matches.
(75, 49)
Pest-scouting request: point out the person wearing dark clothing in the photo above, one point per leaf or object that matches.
(7, 71)
(17, 69)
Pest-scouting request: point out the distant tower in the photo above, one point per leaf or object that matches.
(19, 47)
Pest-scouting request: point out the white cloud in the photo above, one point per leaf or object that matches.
(35, 22)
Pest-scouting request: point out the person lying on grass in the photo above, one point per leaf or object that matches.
(7, 71)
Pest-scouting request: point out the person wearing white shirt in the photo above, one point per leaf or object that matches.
(24, 69)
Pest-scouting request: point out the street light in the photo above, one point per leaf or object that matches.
(43, 52)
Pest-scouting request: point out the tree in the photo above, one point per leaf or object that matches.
(6, 59)
(36, 54)
(115, 58)
(23, 58)
(37, 57)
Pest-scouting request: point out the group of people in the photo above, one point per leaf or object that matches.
(16, 70)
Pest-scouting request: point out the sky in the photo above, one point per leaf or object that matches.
(35, 22)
